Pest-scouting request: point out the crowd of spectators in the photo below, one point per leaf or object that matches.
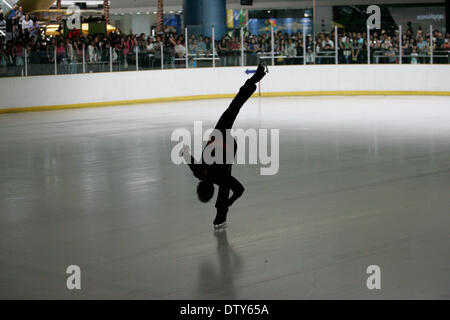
(70, 52)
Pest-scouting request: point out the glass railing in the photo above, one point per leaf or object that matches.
(236, 48)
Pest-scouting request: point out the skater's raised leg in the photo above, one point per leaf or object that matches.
(227, 119)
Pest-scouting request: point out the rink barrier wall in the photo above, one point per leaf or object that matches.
(25, 94)
(223, 96)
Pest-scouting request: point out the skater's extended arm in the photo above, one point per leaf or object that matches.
(195, 166)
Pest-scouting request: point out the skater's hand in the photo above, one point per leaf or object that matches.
(185, 151)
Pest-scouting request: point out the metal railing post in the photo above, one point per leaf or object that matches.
(213, 48)
(400, 44)
(431, 44)
(110, 60)
(26, 61)
(336, 44)
(84, 61)
(186, 44)
(368, 44)
(56, 64)
(137, 58)
(304, 47)
(242, 47)
(162, 55)
(273, 45)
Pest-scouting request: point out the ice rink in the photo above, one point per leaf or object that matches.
(362, 181)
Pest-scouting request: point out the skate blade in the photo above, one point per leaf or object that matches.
(220, 226)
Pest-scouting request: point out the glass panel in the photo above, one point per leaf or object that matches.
(200, 48)
(414, 19)
(7, 61)
(179, 53)
(299, 37)
(288, 49)
(41, 59)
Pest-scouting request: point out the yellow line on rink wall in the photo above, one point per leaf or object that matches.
(223, 96)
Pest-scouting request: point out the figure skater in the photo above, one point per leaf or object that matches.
(219, 173)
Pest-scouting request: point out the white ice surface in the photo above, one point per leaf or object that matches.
(362, 181)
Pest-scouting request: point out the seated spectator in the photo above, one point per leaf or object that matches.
(201, 46)
(421, 44)
(414, 56)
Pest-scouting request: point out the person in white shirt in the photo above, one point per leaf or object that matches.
(27, 23)
(179, 49)
(327, 44)
(92, 54)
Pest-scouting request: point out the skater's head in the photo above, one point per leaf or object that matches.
(205, 191)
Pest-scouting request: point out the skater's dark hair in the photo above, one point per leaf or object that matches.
(205, 191)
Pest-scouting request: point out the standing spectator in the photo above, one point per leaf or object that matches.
(414, 56)
(290, 51)
(252, 49)
(3, 59)
(440, 47)
(346, 47)
(18, 54)
(169, 50)
(309, 50)
(180, 50)
(27, 24)
(51, 51)
(235, 47)
(19, 18)
(35, 31)
(71, 57)
(208, 47)
(11, 24)
(157, 45)
(92, 53)
(61, 57)
(37, 59)
(223, 52)
(355, 51)
(327, 46)
(299, 53)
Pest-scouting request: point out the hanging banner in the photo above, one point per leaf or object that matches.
(237, 18)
